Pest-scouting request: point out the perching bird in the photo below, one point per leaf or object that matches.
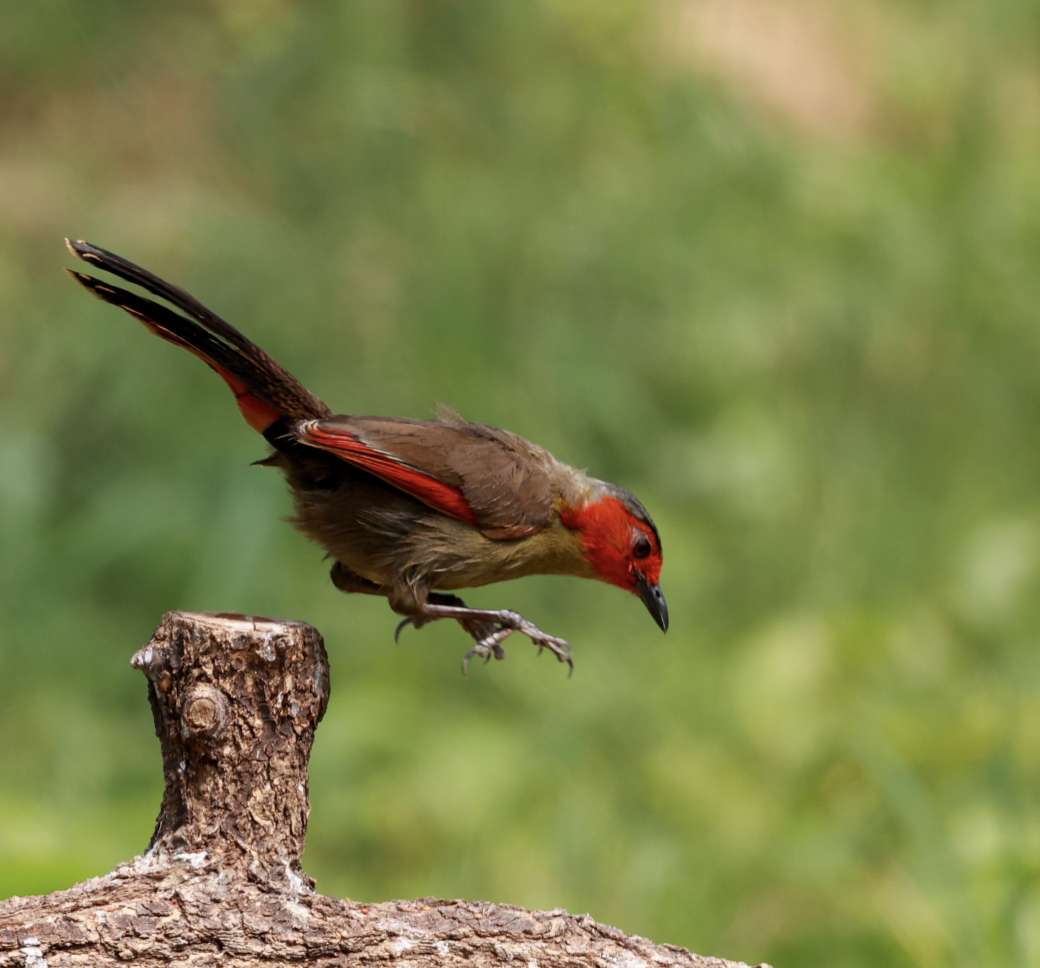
(413, 509)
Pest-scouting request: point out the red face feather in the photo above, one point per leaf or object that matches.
(616, 542)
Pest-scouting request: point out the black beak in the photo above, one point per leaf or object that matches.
(653, 599)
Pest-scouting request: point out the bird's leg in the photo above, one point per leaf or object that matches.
(488, 627)
(481, 630)
(504, 623)
(478, 629)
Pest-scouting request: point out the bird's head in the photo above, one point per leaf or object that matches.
(621, 545)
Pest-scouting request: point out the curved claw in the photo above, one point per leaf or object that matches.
(570, 664)
(469, 655)
(559, 649)
(400, 627)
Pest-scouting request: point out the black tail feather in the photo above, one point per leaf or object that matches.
(185, 301)
(164, 322)
(211, 338)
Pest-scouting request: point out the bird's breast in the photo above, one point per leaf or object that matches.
(388, 537)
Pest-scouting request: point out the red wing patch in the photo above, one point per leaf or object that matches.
(259, 413)
(420, 485)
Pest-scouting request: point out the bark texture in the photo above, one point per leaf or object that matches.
(236, 701)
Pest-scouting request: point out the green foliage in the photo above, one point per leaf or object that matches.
(810, 348)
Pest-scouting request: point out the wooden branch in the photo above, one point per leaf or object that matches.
(236, 700)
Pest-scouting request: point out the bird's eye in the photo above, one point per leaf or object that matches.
(642, 549)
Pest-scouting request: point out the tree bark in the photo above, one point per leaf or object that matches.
(236, 700)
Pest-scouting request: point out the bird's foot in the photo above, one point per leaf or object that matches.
(487, 648)
(488, 636)
(477, 630)
(507, 623)
(490, 628)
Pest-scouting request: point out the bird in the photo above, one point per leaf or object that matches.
(412, 510)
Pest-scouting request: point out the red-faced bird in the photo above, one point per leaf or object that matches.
(413, 509)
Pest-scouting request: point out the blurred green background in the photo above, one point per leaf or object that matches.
(774, 266)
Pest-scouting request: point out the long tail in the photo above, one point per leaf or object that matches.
(267, 394)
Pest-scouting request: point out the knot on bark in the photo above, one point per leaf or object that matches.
(205, 712)
(236, 700)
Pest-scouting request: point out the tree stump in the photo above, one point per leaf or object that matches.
(236, 701)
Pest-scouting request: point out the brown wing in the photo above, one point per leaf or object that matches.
(496, 480)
